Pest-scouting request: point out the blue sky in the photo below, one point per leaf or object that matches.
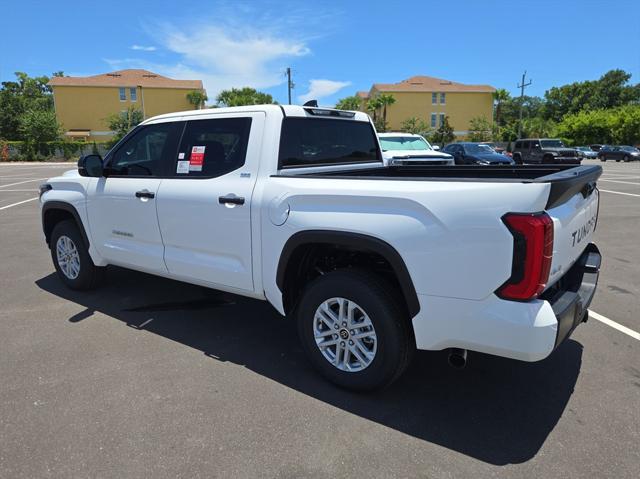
(333, 47)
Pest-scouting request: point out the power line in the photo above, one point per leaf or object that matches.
(522, 86)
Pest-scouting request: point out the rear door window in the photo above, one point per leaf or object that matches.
(323, 142)
(525, 145)
(212, 147)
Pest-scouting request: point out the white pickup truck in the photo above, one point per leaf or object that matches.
(293, 205)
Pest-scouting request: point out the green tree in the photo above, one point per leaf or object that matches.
(385, 99)
(36, 128)
(19, 96)
(611, 90)
(415, 125)
(373, 105)
(538, 127)
(349, 103)
(121, 123)
(479, 129)
(614, 126)
(499, 97)
(243, 96)
(444, 134)
(197, 98)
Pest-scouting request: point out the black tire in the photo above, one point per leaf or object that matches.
(626, 159)
(617, 160)
(518, 159)
(395, 340)
(89, 275)
(603, 158)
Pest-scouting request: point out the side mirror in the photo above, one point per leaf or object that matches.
(90, 165)
(435, 147)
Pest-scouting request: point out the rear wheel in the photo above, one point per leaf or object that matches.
(518, 159)
(354, 331)
(71, 258)
(603, 158)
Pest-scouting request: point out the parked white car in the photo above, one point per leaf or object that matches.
(410, 149)
(293, 205)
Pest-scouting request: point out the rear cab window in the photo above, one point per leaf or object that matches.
(212, 147)
(326, 142)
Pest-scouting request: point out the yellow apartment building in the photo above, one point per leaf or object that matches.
(431, 99)
(83, 104)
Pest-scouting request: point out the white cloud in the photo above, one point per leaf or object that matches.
(235, 54)
(143, 48)
(322, 89)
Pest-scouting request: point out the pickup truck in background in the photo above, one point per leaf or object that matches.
(294, 205)
(411, 149)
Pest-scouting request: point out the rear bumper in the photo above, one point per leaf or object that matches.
(528, 331)
(571, 296)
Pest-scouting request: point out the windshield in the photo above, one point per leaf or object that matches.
(583, 148)
(551, 144)
(404, 143)
(476, 149)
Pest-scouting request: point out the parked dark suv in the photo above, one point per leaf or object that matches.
(543, 150)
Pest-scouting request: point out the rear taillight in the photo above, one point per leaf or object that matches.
(532, 253)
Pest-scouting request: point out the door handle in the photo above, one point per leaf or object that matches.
(231, 200)
(145, 194)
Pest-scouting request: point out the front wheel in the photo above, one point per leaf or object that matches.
(626, 158)
(354, 331)
(71, 258)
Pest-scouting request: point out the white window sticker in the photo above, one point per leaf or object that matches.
(181, 156)
(183, 167)
(196, 160)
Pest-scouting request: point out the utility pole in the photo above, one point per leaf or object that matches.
(289, 83)
(522, 86)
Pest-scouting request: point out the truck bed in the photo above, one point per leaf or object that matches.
(565, 180)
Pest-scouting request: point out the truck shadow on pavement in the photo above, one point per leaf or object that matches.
(495, 410)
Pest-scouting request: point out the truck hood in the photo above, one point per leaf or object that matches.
(417, 154)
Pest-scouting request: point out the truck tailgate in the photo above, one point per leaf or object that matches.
(574, 223)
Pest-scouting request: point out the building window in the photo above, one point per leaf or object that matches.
(441, 119)
(123, 94)
(434, 98)
(442, 98)
(133, 93)
(434, 119)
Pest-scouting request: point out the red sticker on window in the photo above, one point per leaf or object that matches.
(196, 160)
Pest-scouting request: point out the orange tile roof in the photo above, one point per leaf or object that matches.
(362, 94)
(430, 84)
(127, 78)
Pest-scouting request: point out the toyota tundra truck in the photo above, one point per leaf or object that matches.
(294, 205)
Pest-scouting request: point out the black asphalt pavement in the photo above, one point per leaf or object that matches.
(148, 377)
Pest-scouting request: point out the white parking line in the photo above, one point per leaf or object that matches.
(21, 182)
(618, 192)
(18, 203)
(32, 190)
(618, 181)
(614, 325)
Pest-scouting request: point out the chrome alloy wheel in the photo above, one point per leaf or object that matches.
(68, 257)
(344, 334)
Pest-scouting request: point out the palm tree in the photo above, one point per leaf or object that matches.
(385, 100)
(373, 105)
(499, 96)
(349, 103)
(197, 98)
